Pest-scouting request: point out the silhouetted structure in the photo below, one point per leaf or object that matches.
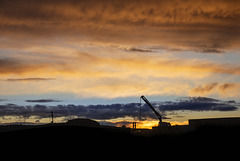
(134, 125)
(83, 122)
(230, 121)
(161, 124)
(52, 116)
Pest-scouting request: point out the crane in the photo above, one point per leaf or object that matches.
(161, 124)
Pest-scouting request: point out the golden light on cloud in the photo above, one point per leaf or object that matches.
(205, 26)
(119, 75)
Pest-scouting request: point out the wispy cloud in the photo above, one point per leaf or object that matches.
(134, 49)
(43, 101)
(205, 88)
(224, 88)
(28, 79)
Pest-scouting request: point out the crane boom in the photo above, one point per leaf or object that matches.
(149, 104)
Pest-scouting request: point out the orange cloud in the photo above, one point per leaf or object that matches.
(203, 26)
(223, 90)
(226, 86)
(207, 88)
(86, 64)
(120, 75)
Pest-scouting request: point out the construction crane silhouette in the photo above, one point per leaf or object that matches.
(161, 123)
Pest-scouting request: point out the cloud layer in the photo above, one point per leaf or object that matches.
(124, 48)
(205, 26)
(115, 111)
(88, 74)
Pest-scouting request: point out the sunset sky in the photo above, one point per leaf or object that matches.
(108, 52)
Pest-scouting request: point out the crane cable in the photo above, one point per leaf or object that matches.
(140, 112)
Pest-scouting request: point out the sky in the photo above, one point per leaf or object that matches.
(100, 56)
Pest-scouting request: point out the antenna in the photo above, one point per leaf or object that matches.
(52, 117)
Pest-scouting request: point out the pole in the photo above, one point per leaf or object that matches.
(140, 112)
(52, 116)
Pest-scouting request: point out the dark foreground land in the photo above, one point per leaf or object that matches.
(75, 142)
(68, 135)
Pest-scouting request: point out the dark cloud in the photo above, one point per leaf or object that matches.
(8, 65)
(2, 100)
(43, 101)
(113, 111)
(12, 65)
(216, 51)
(133, 49)
(29, 79)
(22, 66)
(199, 104)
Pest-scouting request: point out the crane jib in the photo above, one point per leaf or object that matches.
(149, 104)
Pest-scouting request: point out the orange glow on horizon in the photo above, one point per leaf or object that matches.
(147, 124)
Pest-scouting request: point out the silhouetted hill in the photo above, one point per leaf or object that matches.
(83, 122)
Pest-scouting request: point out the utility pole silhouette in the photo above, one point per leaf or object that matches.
(52, 117)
